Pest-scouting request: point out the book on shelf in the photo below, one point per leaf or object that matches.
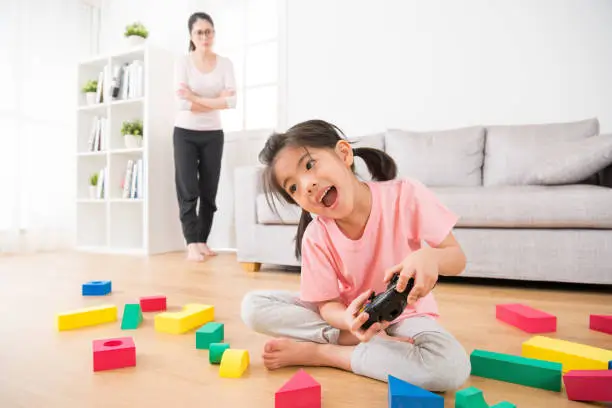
(133, 179)
(101, 186)
(97, 136)
(121, 82)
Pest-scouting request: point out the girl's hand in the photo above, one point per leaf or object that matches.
(421, 265)
(185, 92)
(355, 320)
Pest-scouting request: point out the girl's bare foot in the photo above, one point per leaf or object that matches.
(193, 253)
(283, 352)
(205, 249)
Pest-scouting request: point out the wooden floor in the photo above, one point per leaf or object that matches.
(41, 367)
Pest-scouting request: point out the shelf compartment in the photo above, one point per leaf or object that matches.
(92, 222)
(119, 167)
(86, 166)
(121, 112)
(127, 225)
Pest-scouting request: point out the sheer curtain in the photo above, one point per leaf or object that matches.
(40, 44)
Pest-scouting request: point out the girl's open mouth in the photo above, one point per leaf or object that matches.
(330, 196)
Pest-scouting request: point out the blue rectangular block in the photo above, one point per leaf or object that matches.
(96, 288)
(405, 395)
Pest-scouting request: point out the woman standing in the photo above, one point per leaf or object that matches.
(205, 85)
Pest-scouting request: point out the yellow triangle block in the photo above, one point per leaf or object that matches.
(573, 356)
(234, 363)
(193, 315)
(89, 316)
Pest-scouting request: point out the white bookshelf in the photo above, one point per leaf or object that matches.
(149, 222)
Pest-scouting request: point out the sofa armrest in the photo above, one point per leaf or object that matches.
(248, 186)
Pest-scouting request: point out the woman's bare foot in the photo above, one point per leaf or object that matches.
(205, 249)
(283, 352)
(193, 253)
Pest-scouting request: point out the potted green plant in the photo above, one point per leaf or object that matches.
(93, 184)
(90, 89)
(132, 133)
(136, 33)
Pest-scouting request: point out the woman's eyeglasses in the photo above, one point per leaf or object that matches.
(208, 33)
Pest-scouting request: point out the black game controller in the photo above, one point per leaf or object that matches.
(388, 305)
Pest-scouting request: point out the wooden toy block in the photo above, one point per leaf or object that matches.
(402, 394)
(96, 288)
(132, 316)
(234, 363)
(472, 397)
(602, 323)
(589, 385)
(89, 316)
(212, 332)
(516, 369)
(526, 318)
(153, 303)
(215, 352)
(573, 356)
(301, 391)
(110, 354)
(192, 316)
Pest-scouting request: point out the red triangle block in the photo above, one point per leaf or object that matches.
(301, 391)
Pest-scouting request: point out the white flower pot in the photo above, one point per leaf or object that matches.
(132, 141)
(92, 192)
(90, 98)
(135, 40)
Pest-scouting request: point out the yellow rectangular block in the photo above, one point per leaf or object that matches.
(193, 315)
(89, 316)
(573, 356)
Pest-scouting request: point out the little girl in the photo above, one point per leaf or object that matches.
(363, 234)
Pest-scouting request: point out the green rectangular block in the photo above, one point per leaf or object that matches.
(211, 332)
(526, 371)
(132, 316)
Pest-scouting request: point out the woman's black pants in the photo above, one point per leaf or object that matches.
(197, 166)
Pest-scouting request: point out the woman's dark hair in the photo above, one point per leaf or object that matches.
(192, 20)
(317, 134)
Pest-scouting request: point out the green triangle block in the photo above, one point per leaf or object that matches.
(132, 316)
(504, 404)
(211, 332)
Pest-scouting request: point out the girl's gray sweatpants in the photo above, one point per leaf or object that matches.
(436, 361)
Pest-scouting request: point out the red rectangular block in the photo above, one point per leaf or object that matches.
(526, 318)
(153, 303)
(602, 323)
(589, 385)
(109, 354)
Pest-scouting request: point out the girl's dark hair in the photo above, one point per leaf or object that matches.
(192, 19)
(317, 134)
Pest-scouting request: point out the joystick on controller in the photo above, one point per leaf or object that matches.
(388, 305)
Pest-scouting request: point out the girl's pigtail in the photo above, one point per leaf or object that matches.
(305, 219)
(382, 167)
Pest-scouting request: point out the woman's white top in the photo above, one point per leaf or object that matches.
(206, 85)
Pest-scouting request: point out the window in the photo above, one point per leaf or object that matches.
(247, 33)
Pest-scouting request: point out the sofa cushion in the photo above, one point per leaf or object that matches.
(439, 158)
(572, 162)
(572, 206)
(511, 149)
(287, 213)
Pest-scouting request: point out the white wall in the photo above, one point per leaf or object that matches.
(368, 65)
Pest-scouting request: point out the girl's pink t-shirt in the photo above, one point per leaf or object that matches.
(404, 214)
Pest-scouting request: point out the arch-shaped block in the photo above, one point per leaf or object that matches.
(234, 363)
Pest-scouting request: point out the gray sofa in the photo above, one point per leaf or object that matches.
(535, 201)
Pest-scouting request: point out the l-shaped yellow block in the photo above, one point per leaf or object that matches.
(234, 363)
(89, 316)
(573, 356)
(193, 315)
